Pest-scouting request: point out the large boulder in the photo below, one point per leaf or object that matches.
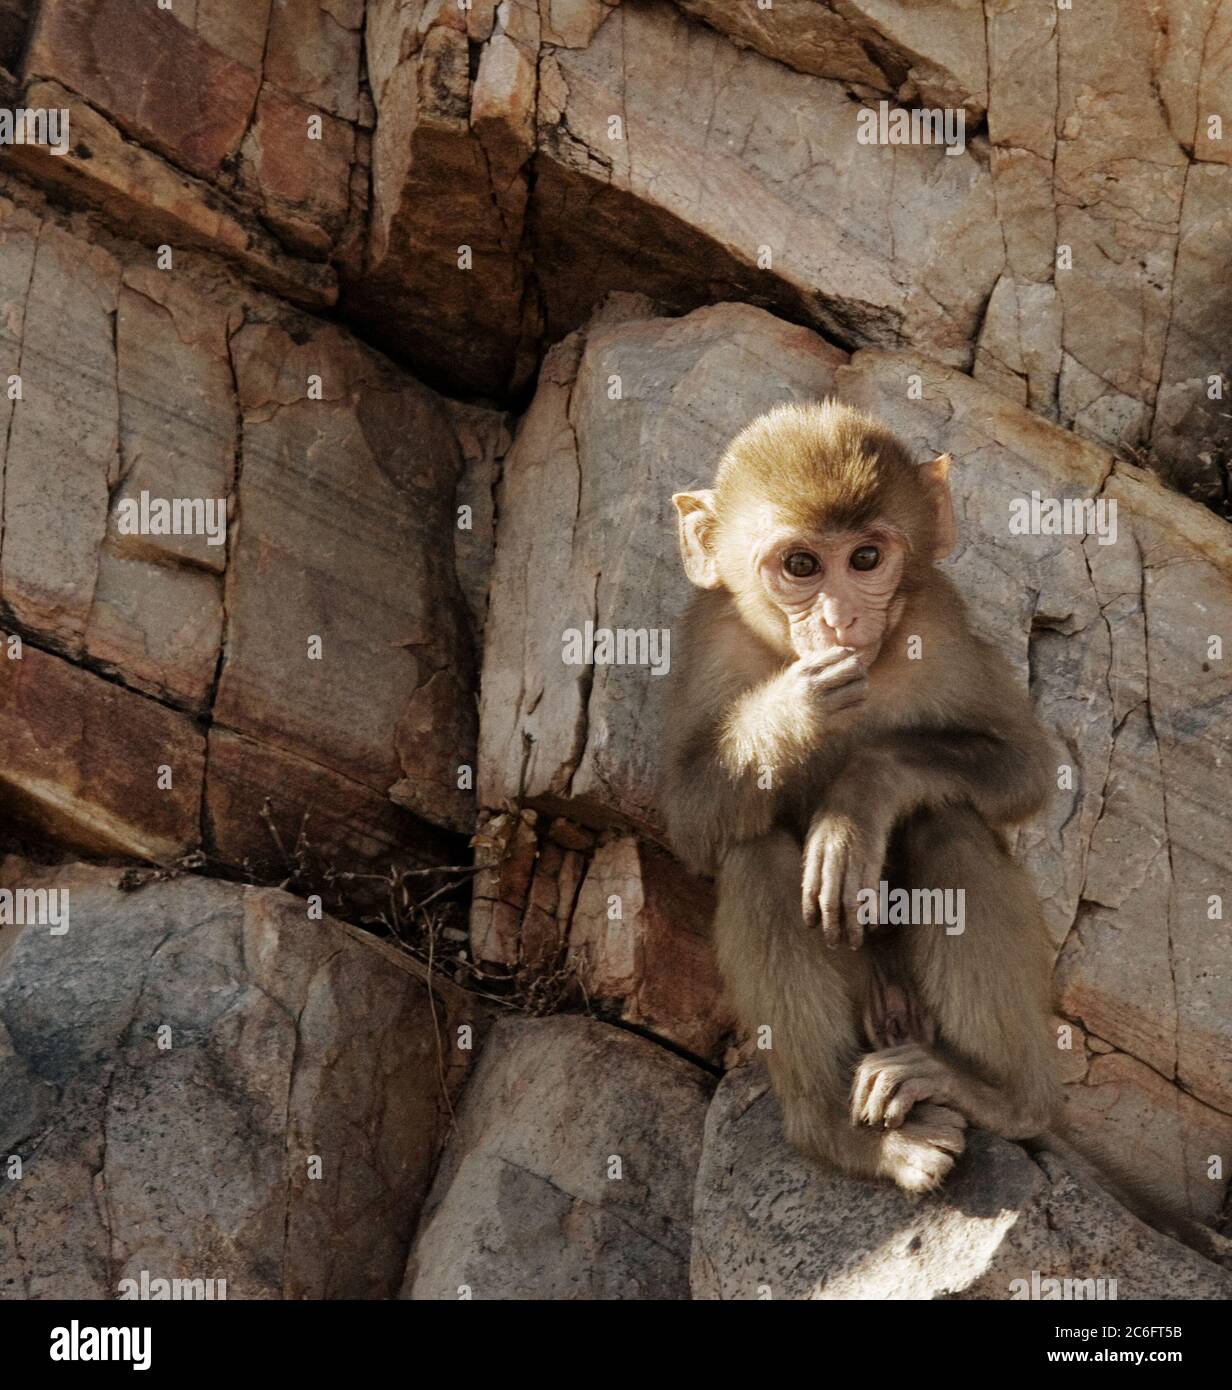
(570, 1172)
(769, 1224)
(673, 162)
(330, 569)
(201, 1081)
(211, 122)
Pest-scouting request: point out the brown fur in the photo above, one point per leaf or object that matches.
(944, 749)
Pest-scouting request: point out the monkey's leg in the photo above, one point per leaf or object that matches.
(987, 989)
(781, 976)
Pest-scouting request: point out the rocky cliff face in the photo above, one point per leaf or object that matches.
(435, 306)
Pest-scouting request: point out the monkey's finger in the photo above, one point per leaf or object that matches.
(847, 671)
(832, 656)
(882, 1093)
(871, 1067)
(811, 885)
(833, 865)
(911, 1093)
(941, 1126)
(860, 1087)
(844, 697)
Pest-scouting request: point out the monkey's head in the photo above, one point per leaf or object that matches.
(819, 525)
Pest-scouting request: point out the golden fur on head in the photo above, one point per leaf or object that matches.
(825, 467)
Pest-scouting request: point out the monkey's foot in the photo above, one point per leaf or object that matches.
(920, 1155)
(888, 1083)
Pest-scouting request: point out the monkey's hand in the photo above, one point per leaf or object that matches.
(829, 682)
(888, 1084)
(843, 855)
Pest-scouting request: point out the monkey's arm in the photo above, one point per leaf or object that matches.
(780, 722)
(1002, 772)
(951, 727)
(968, 736)
(729, 765)
(739, 727)
(883, 782)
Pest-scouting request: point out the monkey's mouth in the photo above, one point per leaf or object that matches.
(811, 638)
(867, 654)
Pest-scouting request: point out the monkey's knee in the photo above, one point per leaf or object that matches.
(950, 846)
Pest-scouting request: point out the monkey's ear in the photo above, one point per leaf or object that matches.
(695, 527)
(936, 477)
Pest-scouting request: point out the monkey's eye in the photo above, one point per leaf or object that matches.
(800, 564)
(865, 557)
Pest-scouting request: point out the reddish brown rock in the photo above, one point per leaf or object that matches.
(236, 30)
(301, 180)
(142, 195)
(82, 760)
(640, 941)
(163, 84)
(313, 52)
(160, 78)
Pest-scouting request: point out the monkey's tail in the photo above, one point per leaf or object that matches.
(1157, 1210)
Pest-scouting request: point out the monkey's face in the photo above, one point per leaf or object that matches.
(818, 526)
(835, 589)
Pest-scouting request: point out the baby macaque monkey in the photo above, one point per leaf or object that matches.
(832, 723)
